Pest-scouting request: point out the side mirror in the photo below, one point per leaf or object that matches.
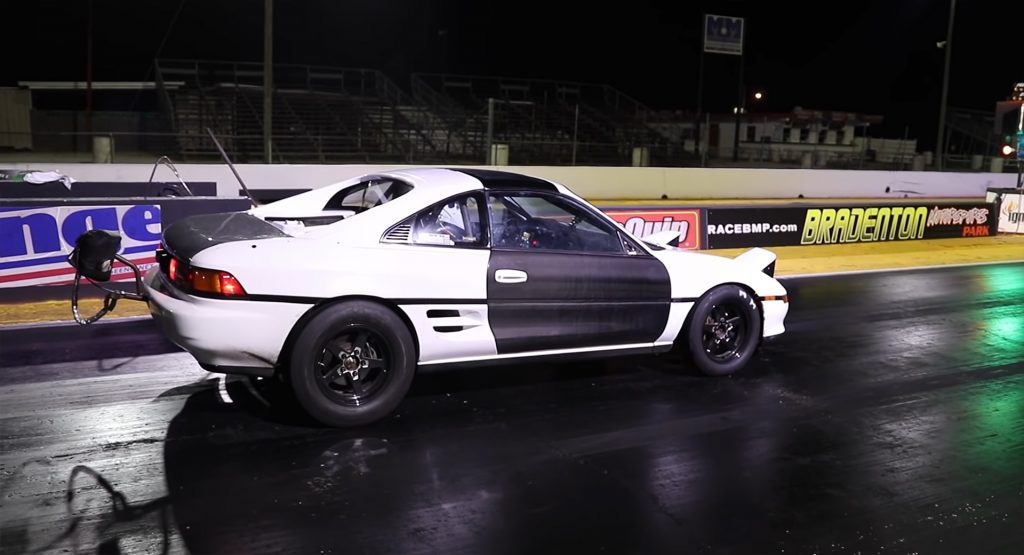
(94, 254)
(667, 238)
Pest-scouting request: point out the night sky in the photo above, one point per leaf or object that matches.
(877, 57)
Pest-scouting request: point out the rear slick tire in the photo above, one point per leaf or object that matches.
(352, 364)
(724, 330)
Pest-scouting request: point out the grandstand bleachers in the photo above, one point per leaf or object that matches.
(359, 115)
(319, 114)
(542, 121)
(354, 115)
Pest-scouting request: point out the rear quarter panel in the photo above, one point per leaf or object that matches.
(304, 267)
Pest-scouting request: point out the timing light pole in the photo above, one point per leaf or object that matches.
(940, 148)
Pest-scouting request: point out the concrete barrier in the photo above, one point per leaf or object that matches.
(598, 183)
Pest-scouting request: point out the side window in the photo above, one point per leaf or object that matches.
(535, 221)
(456, 222)
(366, 195)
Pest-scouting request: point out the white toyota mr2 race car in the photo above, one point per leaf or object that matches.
(345, 290)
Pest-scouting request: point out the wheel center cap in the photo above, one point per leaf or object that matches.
(350, 363)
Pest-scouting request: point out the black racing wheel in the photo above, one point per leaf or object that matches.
(724, 330)
(352, 364)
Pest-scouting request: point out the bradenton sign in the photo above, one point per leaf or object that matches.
(855, 225)
(763, 226)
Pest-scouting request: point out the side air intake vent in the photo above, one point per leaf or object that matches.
(399, 234)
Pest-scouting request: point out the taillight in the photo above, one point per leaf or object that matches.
(229, 286)
(201, 280)
(214, 281)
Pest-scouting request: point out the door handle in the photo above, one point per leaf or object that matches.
(510, 276)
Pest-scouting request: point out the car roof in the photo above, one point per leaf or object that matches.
(495, 179)
(442, 177)
(429, 185)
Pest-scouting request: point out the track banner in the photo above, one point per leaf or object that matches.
(36, 241)
(818, 225)
(642, 222)
(1011, 209)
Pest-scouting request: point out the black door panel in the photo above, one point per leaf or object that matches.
(583, 276)
(573, 300)
(523, 326)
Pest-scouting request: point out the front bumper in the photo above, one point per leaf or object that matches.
(774, 317)
(222, 334)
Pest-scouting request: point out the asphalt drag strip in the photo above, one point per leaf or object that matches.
(888, 419)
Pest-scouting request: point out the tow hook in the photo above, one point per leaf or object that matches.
(93, 257)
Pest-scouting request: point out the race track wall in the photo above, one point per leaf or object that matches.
(594, 183)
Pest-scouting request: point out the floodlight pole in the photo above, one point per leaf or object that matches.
(490, 132)
(940, 148)
(741, 105)
(700, 87)
(705, 140)
(575, 132)
(268, 78)
(88, 71)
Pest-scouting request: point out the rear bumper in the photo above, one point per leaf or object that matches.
(222, 334)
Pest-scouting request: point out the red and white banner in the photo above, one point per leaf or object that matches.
(642, 222)
(36, 241)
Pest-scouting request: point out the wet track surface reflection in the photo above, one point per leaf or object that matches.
(889, 419)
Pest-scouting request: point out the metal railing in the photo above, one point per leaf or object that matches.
(209, 73)
(596, 113)
(384, 108)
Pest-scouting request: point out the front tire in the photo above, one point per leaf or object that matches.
(352, 364)
(724, 330)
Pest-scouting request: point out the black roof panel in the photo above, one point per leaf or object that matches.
(494, 179)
